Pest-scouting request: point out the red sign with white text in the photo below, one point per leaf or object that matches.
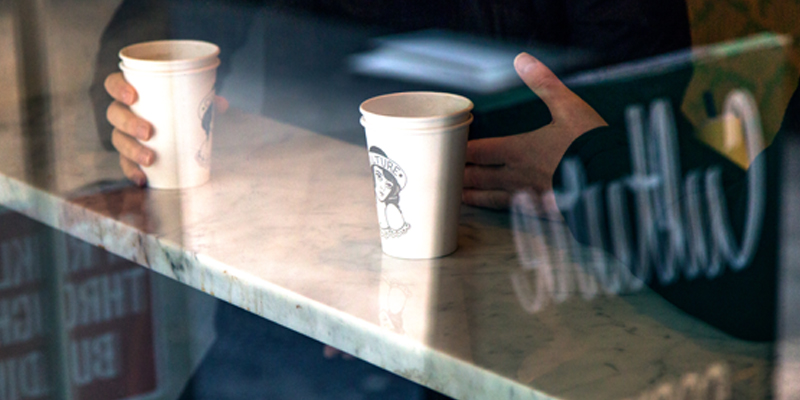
(107, 314)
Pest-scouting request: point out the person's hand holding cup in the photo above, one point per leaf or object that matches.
(129, 130)
(163, 112)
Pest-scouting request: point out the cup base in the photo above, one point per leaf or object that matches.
(411, 256)
(176, 183)
(192, 186)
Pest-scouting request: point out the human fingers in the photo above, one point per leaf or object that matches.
(536, 204)
(573, 115)
(331, 352)
(123, 119)
(132, 171)
(544, 83)
(547, 200)
(118, 88)
(490, 151)
(484, 178)
(130, 148)
(494, 199)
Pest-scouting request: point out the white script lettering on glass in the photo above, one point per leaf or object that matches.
(714, 384)
(671, 217)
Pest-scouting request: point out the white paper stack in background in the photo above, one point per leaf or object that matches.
(443, 58)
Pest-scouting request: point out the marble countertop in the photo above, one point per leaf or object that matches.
(287, 229)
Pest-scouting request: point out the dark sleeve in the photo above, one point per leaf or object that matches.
(621, 31)
(741, 303)
(223, 23)
(624, 30)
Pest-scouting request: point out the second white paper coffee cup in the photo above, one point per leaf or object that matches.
(417, 175)
(175, 83)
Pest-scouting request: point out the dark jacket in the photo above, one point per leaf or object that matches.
(739, 302)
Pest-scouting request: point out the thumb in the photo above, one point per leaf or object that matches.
(221, 104)
(544, 83)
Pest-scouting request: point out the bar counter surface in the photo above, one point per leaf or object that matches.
(287, 229)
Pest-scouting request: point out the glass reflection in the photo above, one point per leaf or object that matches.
(668, 188)
(110, 346)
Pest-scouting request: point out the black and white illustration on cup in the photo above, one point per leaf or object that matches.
(389, 180)
(206, 114)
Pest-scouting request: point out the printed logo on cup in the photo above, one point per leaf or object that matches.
(389, 179)
(206, 114)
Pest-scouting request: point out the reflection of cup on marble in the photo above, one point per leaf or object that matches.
(174, 80)
(424, 300)
(407, 297)
(417, 144)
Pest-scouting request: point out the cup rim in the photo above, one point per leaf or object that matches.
(445, 119)
(363, 121)
(212, 52)
(128, 68)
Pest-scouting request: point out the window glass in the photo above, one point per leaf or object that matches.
(584, 199)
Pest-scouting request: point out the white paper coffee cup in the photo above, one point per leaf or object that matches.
(417, 175)
(175, 83)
